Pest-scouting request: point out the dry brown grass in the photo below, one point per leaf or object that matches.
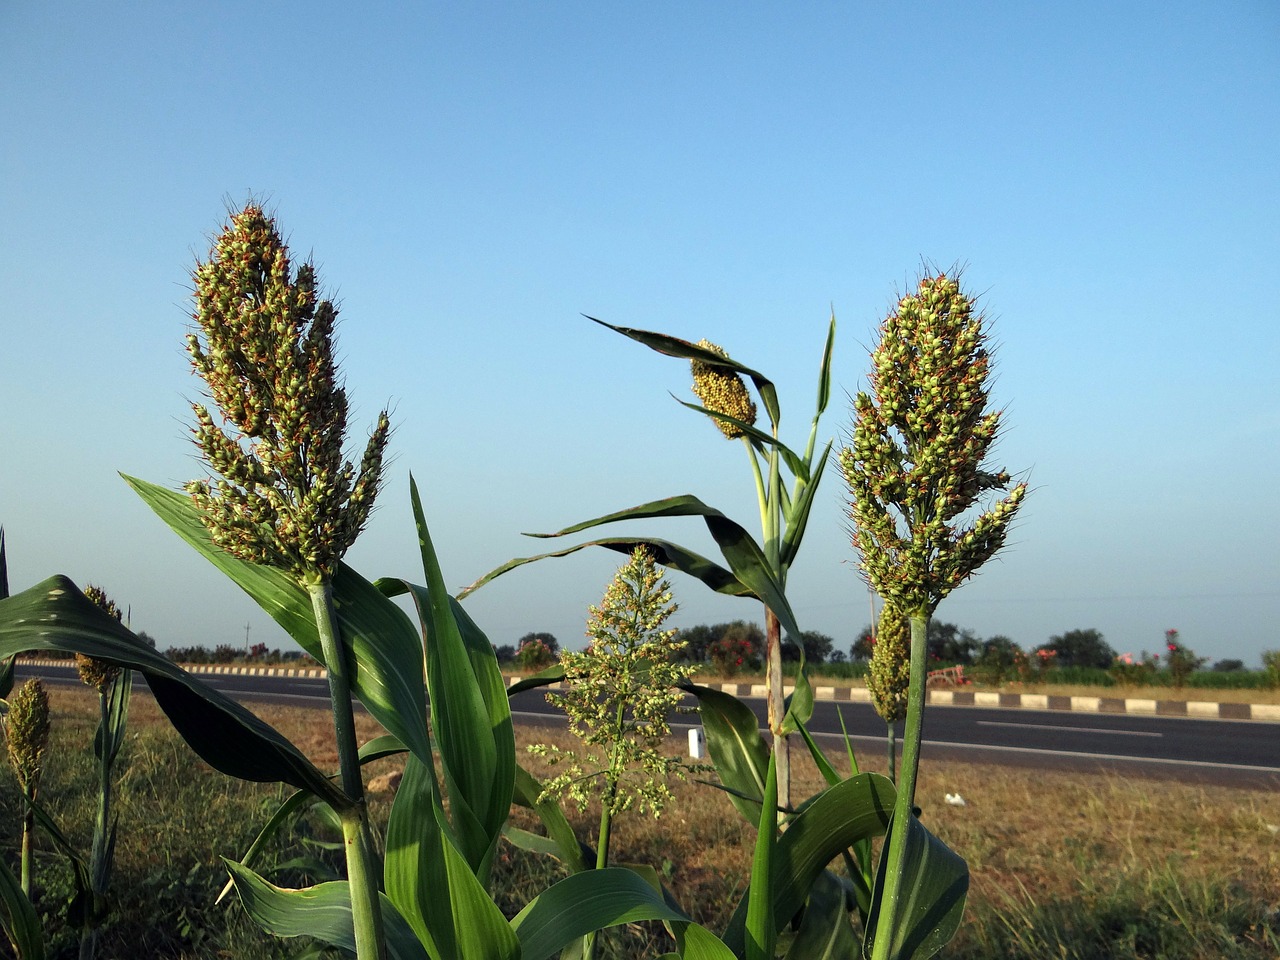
(1031, 837)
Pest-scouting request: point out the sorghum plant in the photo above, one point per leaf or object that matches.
(282, 494)
(27, 738)
(757, 570)
(114, 686)
(915, 469)
(620, 691)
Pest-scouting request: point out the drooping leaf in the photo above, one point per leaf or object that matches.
(543, 678)
(684, 350)
(322, 911)
(740, 755)
(665, 553)
(55, 615)
(795, 463)
(935, 883)
(431, 883)
(18, 917)
(583, 903)
(387, 654)
(837, 818)
(747, 561)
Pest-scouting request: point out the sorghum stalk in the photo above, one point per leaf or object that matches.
(285, 496)
(915, 466)
(27, 732)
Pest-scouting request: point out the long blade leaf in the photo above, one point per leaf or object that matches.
(55, 615)
(322, 912)
(740, 755)
(934, 887)
(18, 917)
(665, 553)
(684, 350)
(383, 642)
(585, 902)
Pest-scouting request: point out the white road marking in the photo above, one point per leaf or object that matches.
(1050, 726)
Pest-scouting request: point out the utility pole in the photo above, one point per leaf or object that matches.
(246, 640)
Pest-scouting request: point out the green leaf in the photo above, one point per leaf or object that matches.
(740, 755)
(110, 736)
(283, 814)
(761, 931)
(585, 902)
(543, 678)
(834, 820)
(795, 463)
(684, 350)
(569, 850)
(935, 883)
(387, 674)
(667, 554)
(824, 369)
(431, 883)
(18, 917)
(797, 518)
(800, 703)
(55, 615)
(322, 912)
(825, 932)
(747, 561)
(698, 943)
(470, 710)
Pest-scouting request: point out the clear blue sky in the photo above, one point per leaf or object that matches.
(471, 178)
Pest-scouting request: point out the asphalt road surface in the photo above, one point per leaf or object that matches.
(1228, 752)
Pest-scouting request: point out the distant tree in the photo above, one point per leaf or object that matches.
(817, 647)
(838, 656)
(950, 644)
(1081, 648)
(863, 647)
(505, 653)
(696, 640)
(146, 638)
(548, 640)
(1228, 666)
(741, 630)
(999, 660)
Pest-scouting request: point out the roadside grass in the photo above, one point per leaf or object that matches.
(1063, 865)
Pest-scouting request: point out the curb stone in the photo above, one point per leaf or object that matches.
(1132, 706)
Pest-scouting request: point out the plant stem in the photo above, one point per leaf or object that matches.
(98, 855)
(28, 838)
(362, 872)
(777, 704)
(891, 741)
(903, 808)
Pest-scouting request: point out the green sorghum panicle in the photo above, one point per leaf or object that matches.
(98, 673)
(722, 390)
(27, 732)
(283, 495)
(889, 673)
(919, 442)
(619, 692)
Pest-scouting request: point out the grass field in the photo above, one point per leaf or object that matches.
(1062, 866)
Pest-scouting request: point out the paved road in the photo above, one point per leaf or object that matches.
(1238, 753)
